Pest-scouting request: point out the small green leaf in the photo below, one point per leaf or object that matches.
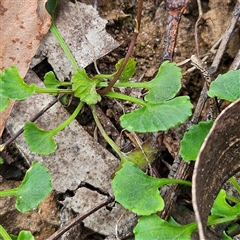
(1, 161)
(25, 235)
(84, 87)
(13, 86)
(4, 101)
(158, 117)
(193, 140)
(51, 7)
(34, 188)
(39, 141)
(225, 236)
(152, 227)
(138, 157)
(226, 86)
(137, 191)
(65, 100)
(50, 80)
(128, 71)
(13, 237)
(165, 85)
(222, 208)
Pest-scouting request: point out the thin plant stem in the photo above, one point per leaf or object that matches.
(8, 192)
(215, 221)
(69, 120)
(126, 84)
(104, 134)
(64, 46)
(232, 199)
(165, 181)
(129, 52)
(4, 234)
(235, 184)
(125, 97)
(53, 90)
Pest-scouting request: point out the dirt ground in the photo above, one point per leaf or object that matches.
(148, 53)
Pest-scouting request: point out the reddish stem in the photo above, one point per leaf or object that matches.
(129, 52)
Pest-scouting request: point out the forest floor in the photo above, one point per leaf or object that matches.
(148, 53)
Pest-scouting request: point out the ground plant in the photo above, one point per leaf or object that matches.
(159, 110)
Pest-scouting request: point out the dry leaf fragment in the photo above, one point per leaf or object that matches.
(22, 27)
(218, 160)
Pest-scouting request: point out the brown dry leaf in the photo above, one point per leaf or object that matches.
(218, 160)
(22, 27)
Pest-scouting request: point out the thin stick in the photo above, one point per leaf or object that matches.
(215, 45)
(236, 62)
(200, 13)
(33, 119)
(118, 221)
(175, 11)
(226, 37)
(80, 218)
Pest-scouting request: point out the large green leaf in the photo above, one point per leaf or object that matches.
(137, 191)
(152, 227)
(84, 87)
(158, 117)
(193, 140)
(38, 140)
(13, 86)
(226, 86)
(128, 70)
(222, 208)
(34, 188)
(165, 85)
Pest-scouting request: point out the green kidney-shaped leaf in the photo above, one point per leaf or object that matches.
(137, 191)
(50, 80)
(25, 235)
(226, 86)
(34, 188)
(13, 86)
(165, 85)
(128, 71)
(222, 208)
(152, 227)
(193, 140)
(84, 87)
(158, 117)
(38, 140)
